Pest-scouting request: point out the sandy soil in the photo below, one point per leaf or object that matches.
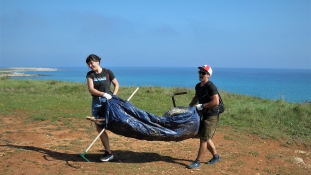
(53, 148)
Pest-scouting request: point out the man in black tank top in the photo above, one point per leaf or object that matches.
(206, 94)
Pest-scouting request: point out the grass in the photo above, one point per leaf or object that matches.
(54, 100)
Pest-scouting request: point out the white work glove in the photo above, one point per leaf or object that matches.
(199, 107)
(107, 96)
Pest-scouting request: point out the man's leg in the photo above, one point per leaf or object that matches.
(201, 152)
(212, 149)
(202, 149)
(212, 125)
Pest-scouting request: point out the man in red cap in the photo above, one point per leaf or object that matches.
(206, 94)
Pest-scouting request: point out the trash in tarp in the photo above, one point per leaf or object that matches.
(125, 119)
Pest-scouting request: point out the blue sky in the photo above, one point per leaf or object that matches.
(167, 33)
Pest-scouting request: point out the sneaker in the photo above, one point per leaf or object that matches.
(213, 160)
(106, 157)
(195, 164)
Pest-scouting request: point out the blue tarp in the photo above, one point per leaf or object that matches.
(125, 119)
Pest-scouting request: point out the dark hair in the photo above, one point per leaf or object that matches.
(92, 57)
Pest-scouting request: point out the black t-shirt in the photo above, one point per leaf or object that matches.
(100, 80)
(205, 92)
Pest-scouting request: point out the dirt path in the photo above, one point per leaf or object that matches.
(53, 148)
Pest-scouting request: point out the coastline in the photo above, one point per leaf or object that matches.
(272, 84)
(20, 71)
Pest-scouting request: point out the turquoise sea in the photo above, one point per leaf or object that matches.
(292, 85)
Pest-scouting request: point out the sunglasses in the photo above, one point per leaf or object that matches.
(203, 73)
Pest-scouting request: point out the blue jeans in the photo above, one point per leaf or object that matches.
(97, 102)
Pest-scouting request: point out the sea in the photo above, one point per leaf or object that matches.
(291, 85)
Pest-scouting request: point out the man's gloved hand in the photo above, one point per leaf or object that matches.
(199, 107)
(107, 96)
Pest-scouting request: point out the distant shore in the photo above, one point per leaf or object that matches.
(21, 71)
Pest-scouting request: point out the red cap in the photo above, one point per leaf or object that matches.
(206, 68)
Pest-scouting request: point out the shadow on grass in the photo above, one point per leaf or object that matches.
(120, 156)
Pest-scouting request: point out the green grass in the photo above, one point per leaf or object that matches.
(55, 100)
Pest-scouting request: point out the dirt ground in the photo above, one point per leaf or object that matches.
(53, 148)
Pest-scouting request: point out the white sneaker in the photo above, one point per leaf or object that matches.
(106, 157)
